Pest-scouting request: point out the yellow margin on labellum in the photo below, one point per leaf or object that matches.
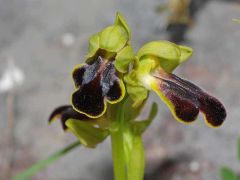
(90, 116)
(73, 70)
(123, 90)
(170, 105)
(209, 124)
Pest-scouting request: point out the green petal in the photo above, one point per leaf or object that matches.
(132, 78)
(122, 22)
(123, 59)
(138, 94)
(87, 134)
(136, 76)
(135, 88)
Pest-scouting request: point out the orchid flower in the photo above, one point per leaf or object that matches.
(154, 63)
(99, 80)
(112, 86)
(98, 83)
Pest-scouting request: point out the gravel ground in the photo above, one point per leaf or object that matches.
(47, 38)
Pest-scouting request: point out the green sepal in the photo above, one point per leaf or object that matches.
(227, 174)
(186, 52)
(113, 38)
(168, 55)
(123, 59)
(139, 127)
(165, 53)
(93, 45)
(122, 22)
(88, 134)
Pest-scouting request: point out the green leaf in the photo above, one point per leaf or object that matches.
(238, 148)
(122, 22)
(88, 134)
(227, 174)
(46, 162)
(123, 59)
(236, 20)
(139, 127)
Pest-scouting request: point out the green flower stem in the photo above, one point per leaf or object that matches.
(137, 160)
(118, 156)
(44, 163)
(119, 165)
(127, 148)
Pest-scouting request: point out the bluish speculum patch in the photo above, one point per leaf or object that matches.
(96, 83)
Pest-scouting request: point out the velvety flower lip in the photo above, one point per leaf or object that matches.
(64, 113)
(97, 83)
(185, 99)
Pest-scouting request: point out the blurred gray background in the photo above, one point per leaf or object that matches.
(46, 39)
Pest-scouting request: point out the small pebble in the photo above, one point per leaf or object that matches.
(194, 166)
(68, 39)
